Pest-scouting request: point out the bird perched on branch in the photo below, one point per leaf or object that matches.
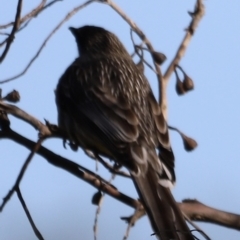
(105, 105)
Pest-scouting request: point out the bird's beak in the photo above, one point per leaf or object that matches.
(73, 31)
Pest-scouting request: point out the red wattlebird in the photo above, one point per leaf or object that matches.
(105, 105)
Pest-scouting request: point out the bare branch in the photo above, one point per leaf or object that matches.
(195, 226)
(21, 173)
(18, 113)
(14, 29)
(66, 18)
(196, 17)
(100, 203)
(131, 220)
(73, 168)
(35, 13)
(193, 209)
(4, 41)
(96, 219)
(50, 4)
(197, 211)
(29, 15)
(113, 169)
(36, 231)
(139, 32)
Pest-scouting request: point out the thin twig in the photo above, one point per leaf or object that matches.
(73, 168)
(138, 213)
(14, 29)
(24, 21)
(3, 42)
(19, 113)
(67, 17)
(49, 5)
(193, 209)
(35, 14)
(142, 58)
(140, 33)
(198, 211)
(27, 16)
(21, 173)
(36, 231)
(196, 227)
(196, 17)
(97, 213)
(5, 34)
(111, 168)
(96, 219)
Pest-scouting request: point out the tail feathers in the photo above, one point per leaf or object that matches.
(165, 217)
(167, 159)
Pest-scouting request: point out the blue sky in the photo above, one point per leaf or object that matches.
(60, 203)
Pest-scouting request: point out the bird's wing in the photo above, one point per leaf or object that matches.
(165, 151)
(99, 113)
(108, 118)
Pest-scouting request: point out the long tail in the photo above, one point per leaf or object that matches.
(165, 217)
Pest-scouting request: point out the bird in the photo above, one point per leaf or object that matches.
(106, 106)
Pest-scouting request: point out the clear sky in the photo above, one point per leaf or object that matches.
(60, 203)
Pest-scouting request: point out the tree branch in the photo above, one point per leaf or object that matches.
(36, 231)
(68, 16)
(19, 113)
(142, 36)
(27, 16)
(197, 211)
(196, 17)
(73, 168)
(34, 149)
(14, 29)
(193, 209)
(112, 169)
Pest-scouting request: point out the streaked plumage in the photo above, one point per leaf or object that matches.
(106, 105)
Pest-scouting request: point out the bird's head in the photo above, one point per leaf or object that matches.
(96, 40)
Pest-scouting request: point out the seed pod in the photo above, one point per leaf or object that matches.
(179, 87)
(73, 146)
(189, 143)
(187, 83)
(96, 198)
(158, 57)
(13, 96)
